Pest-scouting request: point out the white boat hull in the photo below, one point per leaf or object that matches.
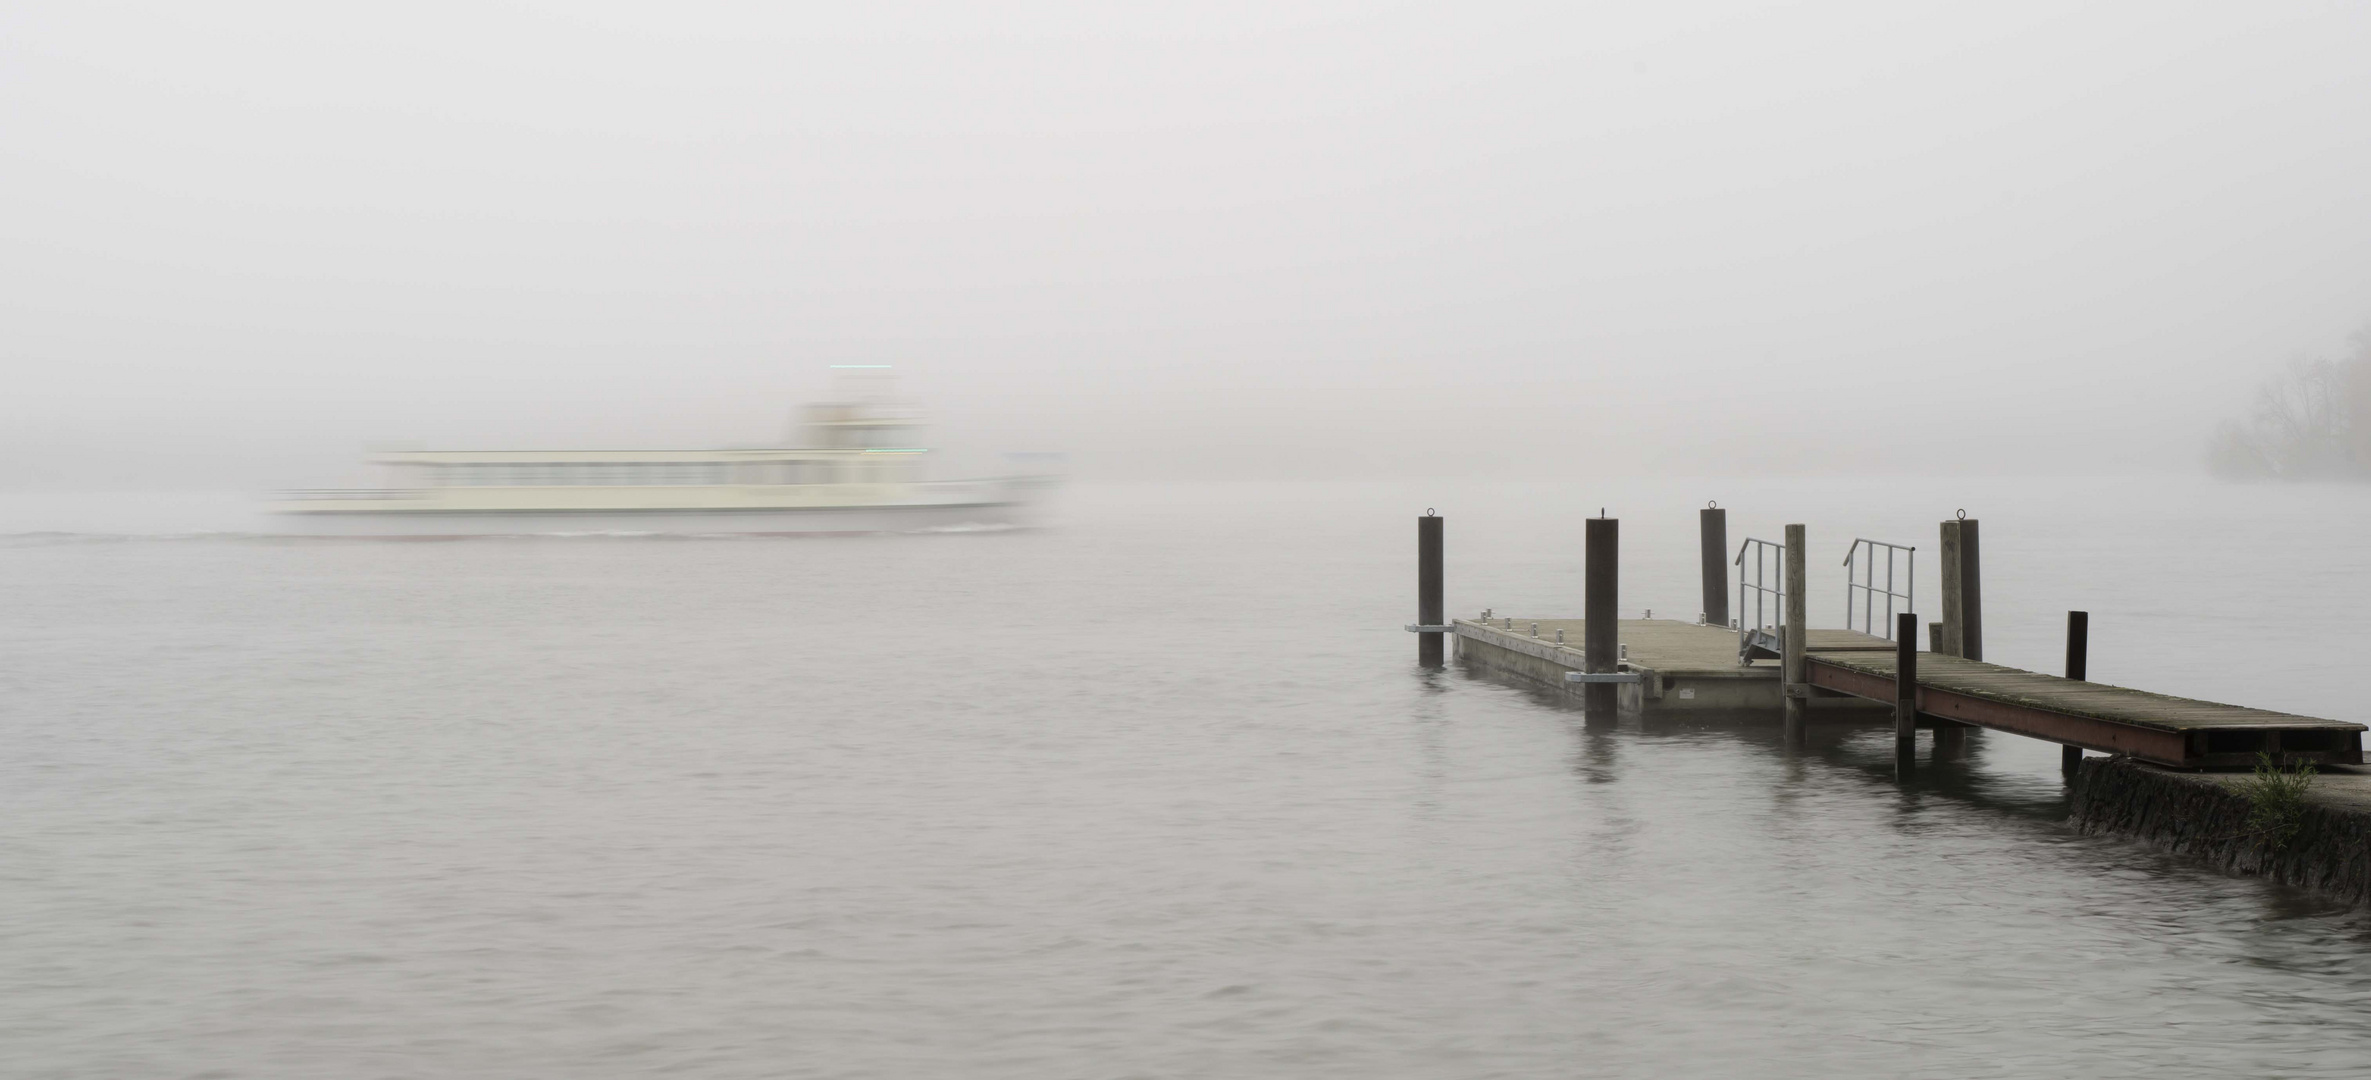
(677, 511)
(673, 522)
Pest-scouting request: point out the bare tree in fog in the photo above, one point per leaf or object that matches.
(2312, 421)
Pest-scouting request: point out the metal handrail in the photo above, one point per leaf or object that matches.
(1769, 562)
(1866, 590)
(1764, 636)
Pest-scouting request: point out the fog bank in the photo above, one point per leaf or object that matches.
(238, 243)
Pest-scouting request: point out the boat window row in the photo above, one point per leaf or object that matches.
(640, 473)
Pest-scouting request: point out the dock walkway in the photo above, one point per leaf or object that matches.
(1689, 666)
(2154, 727)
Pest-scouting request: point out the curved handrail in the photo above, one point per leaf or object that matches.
(1866, 590)
(1769, 560)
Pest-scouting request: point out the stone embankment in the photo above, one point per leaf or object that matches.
(2204, 816)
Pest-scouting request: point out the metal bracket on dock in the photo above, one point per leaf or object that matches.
(1420, 628)
(1603, 676)
(1755, 645)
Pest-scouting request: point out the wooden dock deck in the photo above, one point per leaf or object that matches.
(1689, 666)
(2162, 728)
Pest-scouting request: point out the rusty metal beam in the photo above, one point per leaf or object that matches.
(2149, 744)
(2191, 748)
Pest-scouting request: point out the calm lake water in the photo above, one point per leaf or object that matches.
(1155, 790)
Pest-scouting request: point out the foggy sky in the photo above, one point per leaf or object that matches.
(240, 241)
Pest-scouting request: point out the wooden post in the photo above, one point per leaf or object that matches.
(1934, 639)
(2078, 667)
(1905, 691)
(1951, 641)
(1792, 673)
(1713, 523)
(1948, 644)
(1429, 609)
(1601, 631)
(1971, 593)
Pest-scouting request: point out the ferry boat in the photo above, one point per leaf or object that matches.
(859, 473)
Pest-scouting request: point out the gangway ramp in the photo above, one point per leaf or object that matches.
(2161, 728)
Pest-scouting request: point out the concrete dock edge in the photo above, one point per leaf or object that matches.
(2202, 816)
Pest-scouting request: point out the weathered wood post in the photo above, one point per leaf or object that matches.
(1713, 522)
(1601, 633)
(2078, 668)
(1791, 666)
(1429, 609)
(1905, 691)
(1963, 623)
(1934, 638)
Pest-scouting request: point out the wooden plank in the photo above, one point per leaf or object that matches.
(2050, 693)
(1666, 645)
(1844, 641)
(2151, 744)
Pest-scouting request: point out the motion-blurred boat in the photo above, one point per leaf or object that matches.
(859, 473)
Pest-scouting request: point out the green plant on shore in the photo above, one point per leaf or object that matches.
(2276, 799)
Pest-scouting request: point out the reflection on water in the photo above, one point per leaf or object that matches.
(1155, 792)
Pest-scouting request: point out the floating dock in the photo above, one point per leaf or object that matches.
(1680, 665)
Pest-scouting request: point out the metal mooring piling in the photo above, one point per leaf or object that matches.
(1601, 633)
(1947, 642)
(1713, 523)
(1971, 592)
(2078, 668)
(1792, 670)
(1905, 692)
(1430, 613)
